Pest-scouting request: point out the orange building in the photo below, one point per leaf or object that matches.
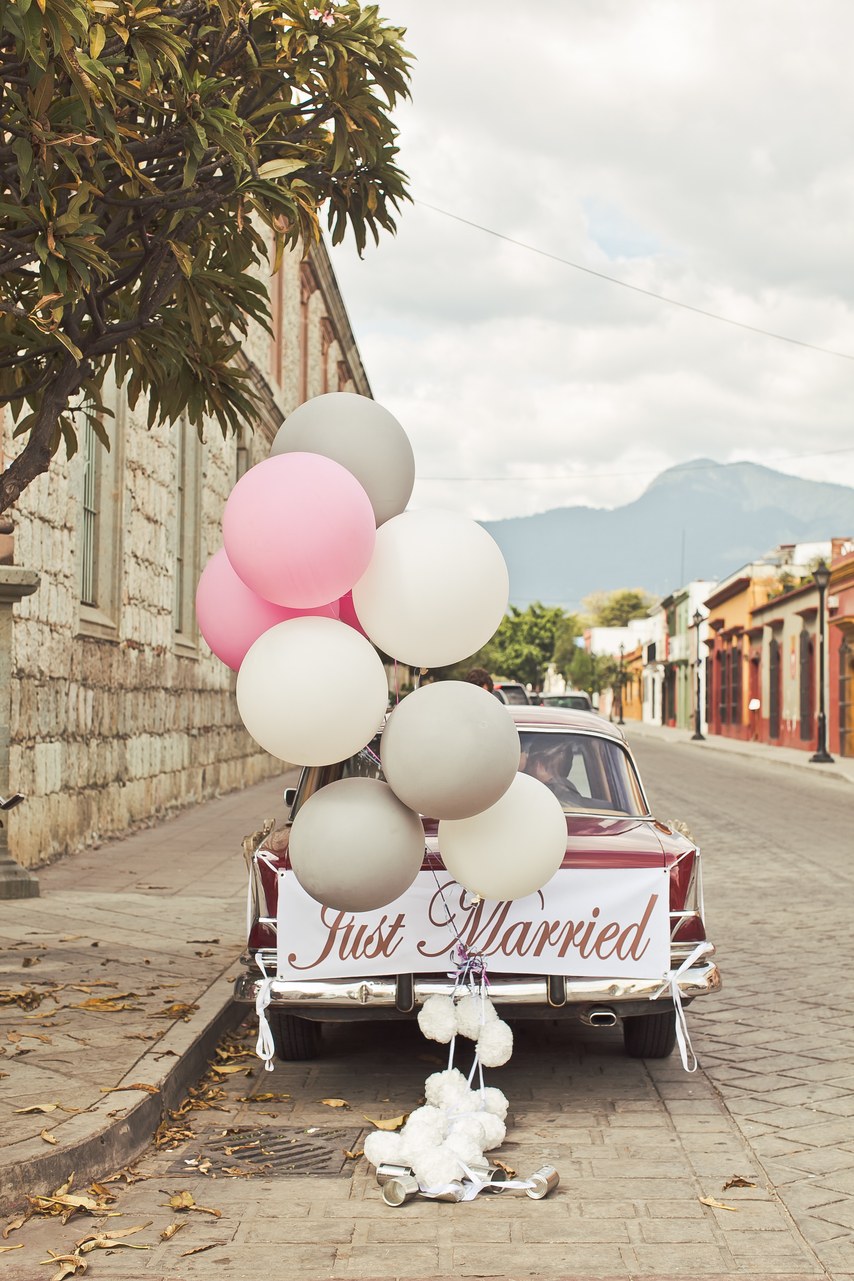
(733, 661)
(840, 649)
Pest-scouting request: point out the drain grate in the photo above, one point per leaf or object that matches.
(274, 1153)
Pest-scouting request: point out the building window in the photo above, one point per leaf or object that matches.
(188, 479)
(723, 690)
(806, 684)
(775, 673)
(846, 700)
(735, 687)
(100, 529)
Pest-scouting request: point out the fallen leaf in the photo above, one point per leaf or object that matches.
(111, 1240)
(142, 1036)
(140, 1085)
(335, 1103)
(30, 960)
(224, 1069)
(14, 1224)
(207, 952)
(262, 1098)
(186, 1201)
(352, 1156)
(128, 1173)
(71, 938)
(168, 1232)
(38, 1107)
(70, 1265)
(716, 1205)
(106, 1004)
(508, 1169)
(199, 1248)
(4, 1248)
(48, 1138)
(27, 998)
(738, 1181)
(177, 1010)
(202, 940)
(390, 1123)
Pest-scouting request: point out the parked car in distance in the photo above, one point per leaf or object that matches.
(611, 831)
(573, 698)
(511, 692)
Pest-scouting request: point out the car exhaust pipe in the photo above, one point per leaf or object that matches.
(600, 1018)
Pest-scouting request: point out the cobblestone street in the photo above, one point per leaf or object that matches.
(644, 1150)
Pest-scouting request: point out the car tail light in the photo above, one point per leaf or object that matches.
(686, 900)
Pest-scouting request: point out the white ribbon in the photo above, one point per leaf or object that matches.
(473, 1185)
(265, 1046)
(671, 983)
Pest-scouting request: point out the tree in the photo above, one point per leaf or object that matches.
(148, 152)
(568, 630)
(614, 609)
(523, 646)
(592, 672)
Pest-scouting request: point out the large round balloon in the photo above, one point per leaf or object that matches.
(361, 436)
(450, 750)
(312, 691)
(513, 848)
(435, 590)
(231, 616)
(354, 846)
(299, 529)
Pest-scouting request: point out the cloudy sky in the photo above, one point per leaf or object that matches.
(703, 151)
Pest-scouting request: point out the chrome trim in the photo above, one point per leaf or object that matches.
(532, 990)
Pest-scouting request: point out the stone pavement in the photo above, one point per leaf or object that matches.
(119, 975)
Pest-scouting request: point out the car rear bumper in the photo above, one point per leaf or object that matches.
(523, 996)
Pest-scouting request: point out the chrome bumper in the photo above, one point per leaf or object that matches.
(530, 996)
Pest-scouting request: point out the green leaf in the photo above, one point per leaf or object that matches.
(279, 168)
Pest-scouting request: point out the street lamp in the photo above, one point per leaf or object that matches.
(698, 719)
(821, 575)
(620, 720)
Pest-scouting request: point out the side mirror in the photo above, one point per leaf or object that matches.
(290, 797)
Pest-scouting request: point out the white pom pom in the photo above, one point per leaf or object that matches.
(472, 1012)
(470, 1128)
(492, 1100)
(437, 1019)
(444, 1089)
(496, 1130)
(425, 1125)
(436, 1167)
(495, 1043)
(464, 1145)
(382, 1146)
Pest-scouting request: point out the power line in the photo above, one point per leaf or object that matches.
(638, 289)
(613, 475)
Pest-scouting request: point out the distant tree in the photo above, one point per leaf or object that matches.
(520, 650)
(144, 151)
(567, 632)
(615, 609)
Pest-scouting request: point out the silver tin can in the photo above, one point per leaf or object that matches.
(453, 1192)
(386, 1171)
(544, 1181)
(403, 1188)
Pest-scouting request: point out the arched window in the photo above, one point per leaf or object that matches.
(774, 674)
(806, 685)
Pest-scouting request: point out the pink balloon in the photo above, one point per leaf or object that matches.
(347, 613)
(231, 616)
(299, 529)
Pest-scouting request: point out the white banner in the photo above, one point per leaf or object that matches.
(585, 923)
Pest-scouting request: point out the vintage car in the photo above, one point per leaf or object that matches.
(573, 698)
(576, 950)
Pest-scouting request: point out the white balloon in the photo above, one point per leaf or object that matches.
(450, 750)
(354, 846)
(435, 590)
(360, 435)
(510, 850)
(289, 702)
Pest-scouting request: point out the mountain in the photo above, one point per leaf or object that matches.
(698, 520)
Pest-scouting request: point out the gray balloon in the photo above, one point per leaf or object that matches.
(360, 435)
(354, 846)
(450, 750)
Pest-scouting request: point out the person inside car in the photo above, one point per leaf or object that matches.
(551, 762)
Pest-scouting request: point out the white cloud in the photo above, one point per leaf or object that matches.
(697, 151)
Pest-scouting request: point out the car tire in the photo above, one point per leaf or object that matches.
(294, 1038)
(650, 1036)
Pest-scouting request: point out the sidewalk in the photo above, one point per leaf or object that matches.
(842, 767)
(115, 986)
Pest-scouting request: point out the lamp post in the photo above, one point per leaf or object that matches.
(698, 716)
(620, 720)
(821, 575)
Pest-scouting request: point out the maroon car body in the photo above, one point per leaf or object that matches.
(609, 826)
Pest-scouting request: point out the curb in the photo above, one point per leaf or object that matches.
(118, 1141)
(719, 750)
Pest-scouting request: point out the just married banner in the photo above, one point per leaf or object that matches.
(583, 922)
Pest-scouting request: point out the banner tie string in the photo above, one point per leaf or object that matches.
(671, 983)
(265, 1047)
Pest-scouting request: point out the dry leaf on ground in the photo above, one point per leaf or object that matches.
(48, 1138)
(177, 1010)
(139, 1085)
(224, 1069)
(105, 1005)
(199, 1248)
(38, 1107)
(352, 1156)
(128, 1173)
(4, 1248)
(738, 1181)
(168, 1232)
(508, 1169)
(716, 1205)
(267, 1097)
(111, 1240)
(14, 1224)
(335, 1103)
(70, 1265)
(186, 1201)
(390, 1123)
(26, 999)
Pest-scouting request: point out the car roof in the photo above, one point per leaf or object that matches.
(566, 718)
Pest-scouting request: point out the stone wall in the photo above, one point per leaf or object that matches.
(117, 721)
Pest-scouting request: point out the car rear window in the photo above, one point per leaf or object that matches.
(586, 772)
(515, 695)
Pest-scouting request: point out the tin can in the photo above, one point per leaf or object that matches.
(403, 1188)
(386, 1171)
(544, 1181)
(495, 1176)
(453, 1192)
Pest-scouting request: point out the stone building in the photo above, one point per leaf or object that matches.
(115, 712)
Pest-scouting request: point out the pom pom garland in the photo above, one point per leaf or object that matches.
(437, 1019)
(472, 1013)
(495, 1043)
(383, 1146)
